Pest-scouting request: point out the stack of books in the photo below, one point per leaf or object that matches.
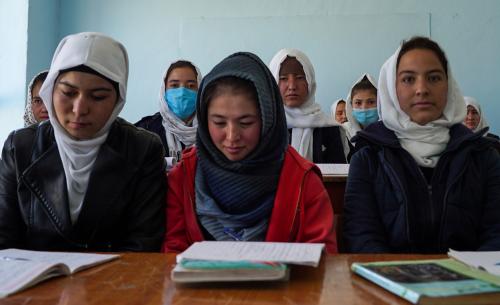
(221, 261)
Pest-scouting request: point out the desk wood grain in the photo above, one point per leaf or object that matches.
(140, 278)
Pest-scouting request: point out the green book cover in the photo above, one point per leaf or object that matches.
(431, 281)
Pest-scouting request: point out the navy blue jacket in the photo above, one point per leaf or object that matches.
(390, 207)
(153, 123)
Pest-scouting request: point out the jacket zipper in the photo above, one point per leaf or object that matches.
(429, 193)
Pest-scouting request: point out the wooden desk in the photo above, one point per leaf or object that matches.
(144, 279)
(335, 186)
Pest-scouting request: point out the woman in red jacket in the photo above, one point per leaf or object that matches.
(242, 181)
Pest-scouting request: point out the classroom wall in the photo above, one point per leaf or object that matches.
(43, 35)
(13, 31)
(343, 38)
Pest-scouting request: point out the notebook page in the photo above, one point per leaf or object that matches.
(486, 260)
(17, 274)
(287, 253)
(72, 260)
(333, 169)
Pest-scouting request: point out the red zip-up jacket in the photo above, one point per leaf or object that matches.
(302, 210)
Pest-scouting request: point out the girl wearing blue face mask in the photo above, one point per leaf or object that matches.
(361, 108)
(176, 123)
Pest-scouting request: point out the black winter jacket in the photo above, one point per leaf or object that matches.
(390, 207)
(124, 205)
(154, 124)
(327, 144)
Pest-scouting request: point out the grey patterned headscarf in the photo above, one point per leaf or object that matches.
(29, 116)
(235, 198)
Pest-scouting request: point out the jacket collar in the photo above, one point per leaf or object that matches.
(46, 179)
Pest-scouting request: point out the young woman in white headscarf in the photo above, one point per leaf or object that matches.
(361, 107)
(475, 119)
(242, 181)
(313, 134)
(420, 181)
(176, 121)
(337, 109)
(35, 111)
(85, 180)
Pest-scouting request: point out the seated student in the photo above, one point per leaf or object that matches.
(176, 123)
(475, 119)
(242, 181)
(35, 110)
(314, 135)
(85, 180)
(338, 111)
(421, 182)
(361, 108)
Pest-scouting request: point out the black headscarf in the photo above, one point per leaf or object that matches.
(238, 196)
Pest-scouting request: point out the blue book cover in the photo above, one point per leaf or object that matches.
(441, 281)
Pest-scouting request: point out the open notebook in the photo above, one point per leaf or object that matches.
(20, 269)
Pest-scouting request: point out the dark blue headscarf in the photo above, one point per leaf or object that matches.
(234, 199)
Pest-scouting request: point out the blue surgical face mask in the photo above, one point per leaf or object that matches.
(365, 116)
(181, 101)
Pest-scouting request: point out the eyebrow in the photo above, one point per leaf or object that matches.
(75, 87)
(413, 72)
(239, 118)
(178, 81)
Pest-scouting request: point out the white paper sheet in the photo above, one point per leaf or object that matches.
(486, 260)
(333, 169)
(288, 253)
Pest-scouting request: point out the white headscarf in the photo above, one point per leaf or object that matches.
(352, 126)
(107, 57)
(308, 116)
(425, 143)
(176, 130)
(333, 109)
(29, 116)
(470, 101)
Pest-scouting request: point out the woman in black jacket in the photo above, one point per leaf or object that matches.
(314, 135)
(85, 180)
(176, 121)
(421, 182)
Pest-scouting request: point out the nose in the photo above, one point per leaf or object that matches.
(80, 106)
(233, 132)
(291, 82)
(421, 86)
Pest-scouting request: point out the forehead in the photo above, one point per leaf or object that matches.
(471, 108)
(182, 73)
(364, 94)
(233, 103)
(83, 79)
(291, 66)
(420, 59)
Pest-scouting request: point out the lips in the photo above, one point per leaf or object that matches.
(233, 150)
(423, 104)
(78, 125)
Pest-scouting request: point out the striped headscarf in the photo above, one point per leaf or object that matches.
(235, 198)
